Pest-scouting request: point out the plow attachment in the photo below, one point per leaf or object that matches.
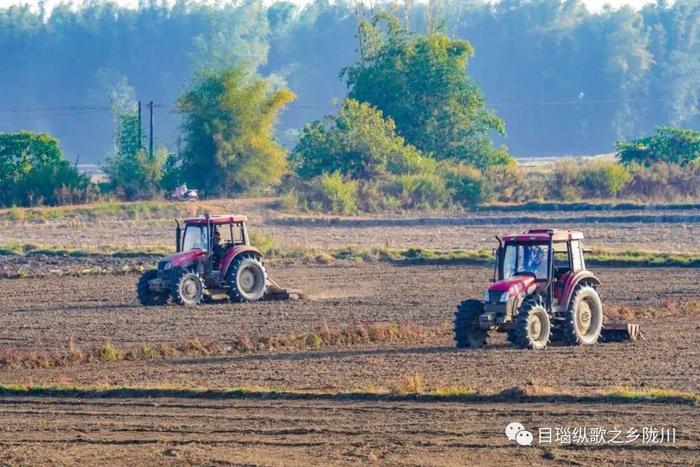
(620, 332)
(275, 292)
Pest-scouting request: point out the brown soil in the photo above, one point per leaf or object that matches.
(323, 432)
(41, 314)
(657, 230)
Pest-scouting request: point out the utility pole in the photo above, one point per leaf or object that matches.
(140, 127)
(150, 135)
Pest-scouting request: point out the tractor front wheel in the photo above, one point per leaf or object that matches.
(147, 297)
(188, 289)
(532, 327)
(584, 317)
(247, 279)
(468, 333)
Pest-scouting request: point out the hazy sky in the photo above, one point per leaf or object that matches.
(594, 5)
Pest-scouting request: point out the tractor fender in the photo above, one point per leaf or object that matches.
(235, 251)
(573, 281)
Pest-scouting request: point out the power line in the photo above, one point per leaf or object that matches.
(35, 117)
(572, 102)
(54, 109)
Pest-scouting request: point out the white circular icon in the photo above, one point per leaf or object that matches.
(524, 438)
(512, 429)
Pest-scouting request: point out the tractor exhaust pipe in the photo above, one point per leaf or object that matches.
(178, 235)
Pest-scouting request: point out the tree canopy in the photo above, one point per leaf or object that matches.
(564, 79)
(32, 170)
(671, 145)
(228, 119)
(358, 142)
(421, 83)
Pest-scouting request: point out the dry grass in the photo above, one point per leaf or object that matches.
(355, 334)
(616, 395)
(666, 309)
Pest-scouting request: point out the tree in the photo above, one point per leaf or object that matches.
(358, 143)
(671, 145)
(133, 173)
(33, 171)
(420, 82)
(228, 120)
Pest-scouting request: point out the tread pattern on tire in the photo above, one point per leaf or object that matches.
(233, 292)
(467, 311)
(520, 333)
(175, 293)
(567, 332)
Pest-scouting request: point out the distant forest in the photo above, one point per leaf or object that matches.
(564, 80)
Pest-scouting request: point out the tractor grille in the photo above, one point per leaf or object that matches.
(495, 297)
(161, 265)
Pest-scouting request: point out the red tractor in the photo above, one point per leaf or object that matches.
(541, 293)
(213, 257)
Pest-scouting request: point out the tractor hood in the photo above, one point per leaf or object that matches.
(514, 285)
(183, 258)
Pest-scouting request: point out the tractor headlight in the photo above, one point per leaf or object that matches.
(497, 297)
(167, 266)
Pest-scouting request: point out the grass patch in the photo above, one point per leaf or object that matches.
(438, 394)
(549, 206)
(18, 248)
(322, 337)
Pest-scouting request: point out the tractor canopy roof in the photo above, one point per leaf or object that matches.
(216, 220)
(542, 235)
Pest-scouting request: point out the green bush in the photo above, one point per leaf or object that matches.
(466, 185)
(32, 171)
(359, 143)
(671, 145)
(422, 191)
(603, 178)
(338, 195)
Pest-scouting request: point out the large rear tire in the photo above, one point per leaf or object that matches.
(247, 279)
(146, 296)
(533, 327)
(188, 289)
(584, 317)
(467, 332)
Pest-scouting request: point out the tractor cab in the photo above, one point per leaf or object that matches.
(539, 260)
(215, 237)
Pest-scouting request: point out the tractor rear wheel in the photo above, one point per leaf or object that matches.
(584, 317)
(247, 279)
(532, 327)
(468, 333)
(147, 297)
(188, 289)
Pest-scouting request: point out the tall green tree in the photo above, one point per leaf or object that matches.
(33, 171)
(228, 120)
(421, 83)
(133, 172)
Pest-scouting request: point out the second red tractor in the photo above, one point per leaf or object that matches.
(542, 292)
